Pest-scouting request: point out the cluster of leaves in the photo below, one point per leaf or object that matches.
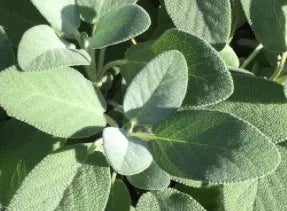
(93, 118)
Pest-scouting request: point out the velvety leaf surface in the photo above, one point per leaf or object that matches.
(268, 21)
(83, 182)
(209, 80)
(60, 102)
(127, 155)
(120, 25)
(260, 102)
(92, 10)
(119, 197)
(6, 53)
(208, 19)
(40, 49)
(153, 178)
(21, 148)
(212, 147)
(229, 56)
(61, 14)
(158, 89)
(167, 200)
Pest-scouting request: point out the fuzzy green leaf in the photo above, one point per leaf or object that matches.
(224, 149)
(119, 197)
(260, 102)
(61, 14)
(119, 25)
(127, 155)
(92, 10)
(209, 80)
(59, 102)
(7, 58)
(81, 182)
(153, 178)
(208, 19)
(167, 200)
(268, 21)
(41, 49)
(158, 90)
(229, 56)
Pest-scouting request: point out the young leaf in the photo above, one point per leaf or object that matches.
(260, 102)
(208, 19)
(127, 155)
(41, 49)
(229, 56)
(153, 178)
(119, 197)
(209, 80)
(92, 10)
(268, 21)
(21, 148)
(82, 182)
(7, 56)
(212, 147)
(120, 24)
(59, 102)
(168, 199)
(61, 14)
(158, 90)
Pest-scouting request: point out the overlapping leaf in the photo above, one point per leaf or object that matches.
(229, 56)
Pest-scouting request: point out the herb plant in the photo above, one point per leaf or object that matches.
(148, 105)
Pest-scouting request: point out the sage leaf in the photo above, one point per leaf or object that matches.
(272, 29)
(7, 58)
(238, 16)
(61, 14)
(202, 18)
(61, 102)
(229, 56)
(119, 197)
(82, 182)
(209, 80)
(218, 147)
(92, 10)
(153, 178)
(158, 90)
(120, 25)
(20, 152)
(167, 200)
(40, 48)
(127, 155)
(260, 102)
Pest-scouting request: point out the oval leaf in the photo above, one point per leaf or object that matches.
(41, 49)
(229, 56)
(60, 102)
(158, 89)
(127, 155)
(120, 25)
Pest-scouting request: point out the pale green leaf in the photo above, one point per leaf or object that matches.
(60, 102)
(209, 80)
(167, 200)
(7, 58)
(229, 56)
(92, 10)
(268, 21)
(260, 102)
(158, 90)
(21, 148)
(153, 178)
(61, 14)
(119, 25)
(127, 155)
(65, 180)
(40, 48)
(208, 19)
(119, 197)
(238, 16)
(212, 147)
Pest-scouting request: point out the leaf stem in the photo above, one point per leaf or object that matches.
(101, 60)
(114, 177)
(110, 65)
(280, 67)
(255, 52)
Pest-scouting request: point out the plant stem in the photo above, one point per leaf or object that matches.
(111, 65)
(117, 106)
(101, 62)
(114, 177)
(280, 67)
(252, 56)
